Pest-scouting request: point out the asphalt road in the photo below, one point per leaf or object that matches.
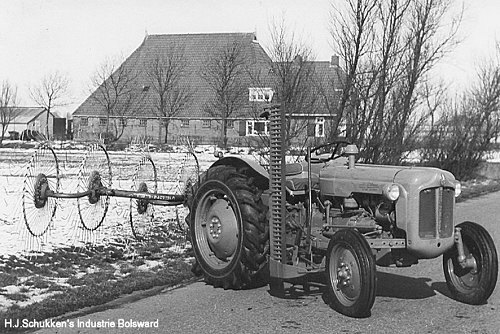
(409, 300)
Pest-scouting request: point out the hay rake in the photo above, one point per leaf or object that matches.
(42, 184)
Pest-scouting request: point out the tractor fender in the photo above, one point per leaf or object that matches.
(261, 172)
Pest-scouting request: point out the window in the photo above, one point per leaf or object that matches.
(319, 130)
(143, 122)
(229, 124)
(256, 128)
(103, 121)
(260, 94)
(206, 123)
(84, 121)
(123, 122)
(185, 123)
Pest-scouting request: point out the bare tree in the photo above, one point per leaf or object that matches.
(293, 78)
(8, 106)
(352, 36)
(165, 73)
(50, 93)
(399, 41)
(115, 90)
(226, 74)
(467, 126)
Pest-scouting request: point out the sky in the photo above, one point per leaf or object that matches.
(40, 37)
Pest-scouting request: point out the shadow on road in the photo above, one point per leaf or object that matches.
(442, 288)
(388, 285)
(403, 287)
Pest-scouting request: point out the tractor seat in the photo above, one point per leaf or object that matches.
(296, 176)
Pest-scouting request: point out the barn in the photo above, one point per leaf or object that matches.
(29, 123)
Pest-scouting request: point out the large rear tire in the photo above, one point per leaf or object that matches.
(472, 285)
(351, 273)
(228, 228)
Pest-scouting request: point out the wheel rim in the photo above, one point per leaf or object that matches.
(345, 275)
(42, 175)
(216, 229)
(464, 279)
(94, 173)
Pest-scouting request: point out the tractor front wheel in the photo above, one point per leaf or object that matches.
(228, 228)
(473, 284)
(351, 273)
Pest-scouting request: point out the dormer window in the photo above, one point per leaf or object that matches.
(258, 94)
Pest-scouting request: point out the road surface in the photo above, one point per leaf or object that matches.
(409, 300)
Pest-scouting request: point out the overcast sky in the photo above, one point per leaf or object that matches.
(38, 37)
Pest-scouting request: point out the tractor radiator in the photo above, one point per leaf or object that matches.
(436, 212)
(277, 185)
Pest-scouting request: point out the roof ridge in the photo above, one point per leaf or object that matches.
(204, 34)
(22, 107)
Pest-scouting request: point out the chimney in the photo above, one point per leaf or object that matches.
(335, 61)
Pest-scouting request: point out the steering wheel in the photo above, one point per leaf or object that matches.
(328, 155)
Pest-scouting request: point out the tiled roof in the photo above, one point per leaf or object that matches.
(196, 49)
(24, 115)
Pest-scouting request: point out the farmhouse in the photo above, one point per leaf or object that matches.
(141, 113)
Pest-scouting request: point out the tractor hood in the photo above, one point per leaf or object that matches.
(343, 181)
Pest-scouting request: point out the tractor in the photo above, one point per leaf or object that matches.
(333, 217)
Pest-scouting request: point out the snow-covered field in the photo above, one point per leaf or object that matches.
(65, 229)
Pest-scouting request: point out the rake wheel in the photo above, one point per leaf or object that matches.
(141, 211)
(42, 176)
(94, 176)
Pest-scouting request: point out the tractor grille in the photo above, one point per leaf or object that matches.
(277, 179)
(436, 212)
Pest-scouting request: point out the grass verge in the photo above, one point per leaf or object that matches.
(71, 279)
(478, 187)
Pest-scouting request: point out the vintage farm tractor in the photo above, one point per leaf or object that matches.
(326, 215)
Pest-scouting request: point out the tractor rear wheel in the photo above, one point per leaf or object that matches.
(472, 285)
(228, 228)
(351, 273)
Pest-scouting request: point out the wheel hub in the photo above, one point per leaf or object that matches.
(344, 275)
(222, 229)
(142, 204)
(40, 193)
(94, 185)
(215, 227)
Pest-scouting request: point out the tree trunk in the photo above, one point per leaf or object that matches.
(224, 133)
(166, 131)
(47, 125)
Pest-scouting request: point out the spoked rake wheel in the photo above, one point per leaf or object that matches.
(94, 176)
(42, 176)
(179, 177)
(141, 210)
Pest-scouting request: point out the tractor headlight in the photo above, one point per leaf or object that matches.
(391, 192)
(458, 189)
